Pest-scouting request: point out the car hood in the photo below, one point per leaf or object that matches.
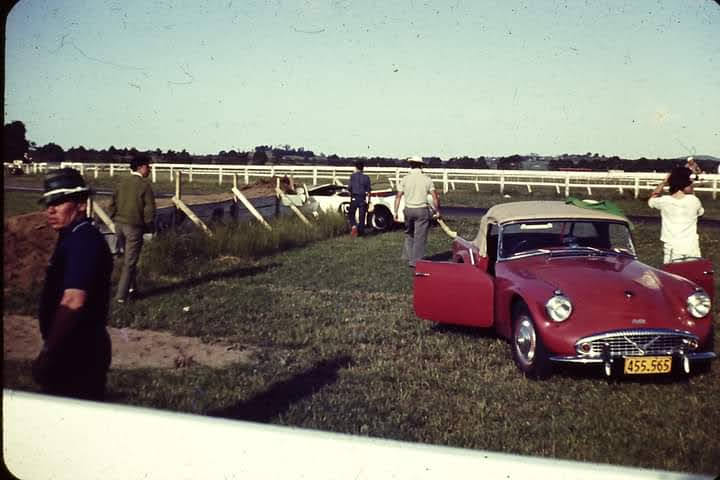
(614, 291)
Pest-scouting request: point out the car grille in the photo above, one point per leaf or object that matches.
(638, 342)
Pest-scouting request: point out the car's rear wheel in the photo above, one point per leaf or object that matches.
(381, 219)
(528, 349)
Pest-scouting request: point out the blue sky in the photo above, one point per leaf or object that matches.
(389, 78)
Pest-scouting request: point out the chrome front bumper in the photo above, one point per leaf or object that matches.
(692, 356)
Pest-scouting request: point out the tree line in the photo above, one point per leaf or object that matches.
(17, 147)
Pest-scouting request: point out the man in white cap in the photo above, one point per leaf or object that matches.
(416, 187)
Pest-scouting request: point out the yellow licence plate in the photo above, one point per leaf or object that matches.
(639, 365)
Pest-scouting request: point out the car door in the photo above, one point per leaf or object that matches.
(450, 292)
(698, 270)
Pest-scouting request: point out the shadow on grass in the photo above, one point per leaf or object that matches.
(238, 272)
(280, 396)
(459, 330)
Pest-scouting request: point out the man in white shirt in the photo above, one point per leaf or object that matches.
(416, 187)
(679, 211)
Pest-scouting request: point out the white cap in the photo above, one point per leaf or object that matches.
(416, 159)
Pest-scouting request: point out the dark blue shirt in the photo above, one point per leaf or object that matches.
(359, 184)
(81, 260)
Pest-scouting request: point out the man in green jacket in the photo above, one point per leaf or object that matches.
(133, 212)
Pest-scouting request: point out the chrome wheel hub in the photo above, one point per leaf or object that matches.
(525, 341)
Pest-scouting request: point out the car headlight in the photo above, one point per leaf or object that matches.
(698, 304)
(559, 308)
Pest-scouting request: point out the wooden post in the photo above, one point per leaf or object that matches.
(277, 198)
(567, 185)
(637, 187)
(502, 184)
(297, 211)
(178, 186)
(96, 171)
(247, 176)
(250, 207)
(715, 189)
(97, 209)
(220, 175)
(191, 215)
(315, 175)
(154, 173)
(445, 181)
(191, 175)
(112, 169)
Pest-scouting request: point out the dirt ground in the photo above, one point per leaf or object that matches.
(27, 245)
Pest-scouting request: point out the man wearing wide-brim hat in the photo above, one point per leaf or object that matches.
(415, 188)
(74, 302)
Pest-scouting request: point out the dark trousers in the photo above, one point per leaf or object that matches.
(81, 373)
(132, 238)
(357, 203)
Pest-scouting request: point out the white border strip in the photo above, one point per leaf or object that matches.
(60, 438)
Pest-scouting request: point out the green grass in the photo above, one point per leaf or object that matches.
(340, 349)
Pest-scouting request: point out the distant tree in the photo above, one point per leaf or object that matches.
(50, 153)
(259, 157)
(15, 145)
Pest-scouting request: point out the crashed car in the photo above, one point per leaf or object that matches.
(564, 285)
(336, 198)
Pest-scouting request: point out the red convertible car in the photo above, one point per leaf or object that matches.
(563, 284)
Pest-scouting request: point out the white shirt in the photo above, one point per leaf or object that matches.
(415, 187)
(679, 218)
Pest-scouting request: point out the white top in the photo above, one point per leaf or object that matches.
(415, 187)
(679, 218)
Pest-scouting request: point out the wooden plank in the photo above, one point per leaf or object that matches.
(250, 207)
(186, 210)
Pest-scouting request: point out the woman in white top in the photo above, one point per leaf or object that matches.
(679, 211)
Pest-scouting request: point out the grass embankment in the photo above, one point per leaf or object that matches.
(341, 350)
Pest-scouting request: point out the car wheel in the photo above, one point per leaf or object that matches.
(528, 349)
(381, 219)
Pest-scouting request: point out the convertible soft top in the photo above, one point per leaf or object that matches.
(536, 210)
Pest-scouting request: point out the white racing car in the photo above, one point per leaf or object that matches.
(336, 198)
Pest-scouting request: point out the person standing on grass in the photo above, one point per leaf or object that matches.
(679, 212)
(416, 187)
(359, 199)
(133, 211)
(75, 298)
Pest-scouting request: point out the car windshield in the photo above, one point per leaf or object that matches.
(569, 236)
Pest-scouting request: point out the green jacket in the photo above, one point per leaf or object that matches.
(133, 202)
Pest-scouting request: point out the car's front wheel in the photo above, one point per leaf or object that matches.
(381, 219)
(528, 349)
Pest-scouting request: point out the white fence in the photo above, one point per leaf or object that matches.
(564, 182)
(62, 438)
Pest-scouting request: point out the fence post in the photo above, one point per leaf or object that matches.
(637, 187)
(314, 175)
(247, 176)
(172, 176)
(96, 171)
(82, 169)
(502, 184)
(154, 173)
(112, 169)
(397, 178)
(178, 186)
(191, 174)
(715, 188)
(220, 175)
(445, 181)
(567, 185)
